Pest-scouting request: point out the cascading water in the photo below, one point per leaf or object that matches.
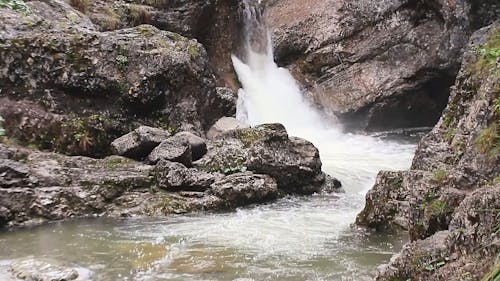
(296, 238)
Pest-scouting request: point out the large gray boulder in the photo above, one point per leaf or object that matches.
(175, 149)
(245, 188)
(266, 149)
(140, 142)
(198, 145)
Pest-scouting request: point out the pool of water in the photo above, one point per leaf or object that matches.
(295, 238)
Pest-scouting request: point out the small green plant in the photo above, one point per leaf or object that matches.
(439, 176)
(439, 208)
(122, 62)
(16, 5)
(80, 5)
(496, 106)
(488, 140)
(488, 53)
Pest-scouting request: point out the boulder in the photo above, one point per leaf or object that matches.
(173, 176)
(245, 188)
(223, 125)
(140, 142)
(175, 149)
(198, 145)
(267, 149)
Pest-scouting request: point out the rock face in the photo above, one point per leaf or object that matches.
(377, 64)
(214, 23)
(83, 88)
(446, 199)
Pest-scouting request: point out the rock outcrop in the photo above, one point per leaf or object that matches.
(243, 166)
(267, 149)
(448, 200)
(82, 88)
(377, 64)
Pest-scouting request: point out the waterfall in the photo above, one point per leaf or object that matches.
(269, 94)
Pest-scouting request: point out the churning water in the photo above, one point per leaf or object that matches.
(296, 238)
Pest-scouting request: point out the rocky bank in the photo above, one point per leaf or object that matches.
(449, 200)
(240, 167)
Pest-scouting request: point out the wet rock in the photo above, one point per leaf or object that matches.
(225, 124)
(385, 208)
(332, 185)
(175, 149)
(214, 23)
(32, 269)
(140, 142)
(198, 145)
(173, 176)
(245, 188)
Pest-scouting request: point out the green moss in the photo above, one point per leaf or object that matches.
(449, 135)
(16, 5)
(488, 140)
(248, 136)
(114, 162)
(145, 30)
(396, 183)
(496, 106)
(226, 165)
(193, 51)
(439, 176)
